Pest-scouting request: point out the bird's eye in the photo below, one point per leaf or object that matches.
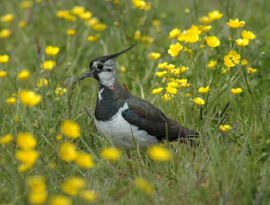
(99, 66)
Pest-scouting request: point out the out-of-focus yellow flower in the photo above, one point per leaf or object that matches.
(85, 15)
(71, 32)
(212, 41)
(70, 17)
(84, 160)
(38, 1)
(225, 128)
(26, 4)
(171, 90)
(188, 95)
(173, 84)
(244, 62)
(29, 98)
(157, 90)
(137, 35)
(175, 49)
(70, 129)
(123, 68)
(48, 65)
(232, 59)
(3, 73)
(4, 59)
(236, 23)
(204, 90)
(23, 75)
(93, 21)
(24, 168)
(60, 91)
(166, 97)
(174, 33)
(156, 23)
(22, 24)
(225, 70)
(176, 71)
(154, 56)
(93, 38)
(73, 185)
(184, 69)
(212, 64)
(5, 33)
(144, 185)
(116, 23)
(205, 29)
(6, 140)
(60, 200)
(189, 51)
(198, 101)
(248, 35)
(62, 13)
(89, 195)
(236, 90)
(11, 101)
(68, 152)
(36, 183)
(251, 70)
(37, 197)
(99, 27)
(161, 73)
(214, 15)
(242, 42)
(28, 157)
(26, 140)
(187, 10)
(59, 137)
(182, 82)
(7, 18)
(77, 10)
(148, 40)
(205, 20)
(111, 154)
(51, 51)
(141, 4)
(159, 153)
(163, 65)
(191, 35)
(42, 82)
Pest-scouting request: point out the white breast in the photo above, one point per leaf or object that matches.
(123, 134)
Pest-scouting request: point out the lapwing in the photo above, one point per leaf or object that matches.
(128, 121)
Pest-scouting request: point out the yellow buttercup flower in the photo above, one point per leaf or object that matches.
(93, 21)
(68, 152)
(166, 97)
(11, 101)
(148, 40)
(235, 23)
(244, 62)
(204, 90)
(182, 82)
(111, 154)
(4, 59)
(189, 51)
(93, 38)
(175, 49)
(85, 15)
(28, 157)
(60, 200)
(225, 128)
(89, 195)
(154, 56)
(162, 65)
(7, 18)
(232, 59)
(156, 23)
(123, 68)
(26, 4)
(99, 27)
(29, 98)
(205, 29)
(173, 84)
(60, 91)
(242, 42)
(205, 20)
(73, 185)
(70, 17)
(62, 13)
(3, 73)
(159, 153)
(251, 70)
(23, 75)
(212, 64)
(77, 10)
(174, 33)
(26, 140)
(144, 185)
(157, 90)
(198, 101)
(137, 35)
(70, 129)
(212, 41)
(214, 15)
(42, 82)
(22, 24)
(38, 197)
(171, 90)
(71, 32)
(48, 65)
(5, 33)
(248, 35)
(116, 23)
(236, 90)
(6, 140)
(84, 160)
(161, 73)
(184, 69)
(36, 183)
(51, 51)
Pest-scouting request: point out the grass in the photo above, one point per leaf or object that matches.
(226, 168)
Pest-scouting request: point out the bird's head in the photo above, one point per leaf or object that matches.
(103, 68)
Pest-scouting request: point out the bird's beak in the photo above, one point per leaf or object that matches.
(86, 75)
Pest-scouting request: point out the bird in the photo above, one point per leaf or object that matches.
(127, 121)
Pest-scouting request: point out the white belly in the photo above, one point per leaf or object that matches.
(124, 135)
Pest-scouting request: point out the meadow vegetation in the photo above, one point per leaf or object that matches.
(203, 63)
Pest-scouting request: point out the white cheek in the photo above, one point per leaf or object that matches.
(107, 78)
